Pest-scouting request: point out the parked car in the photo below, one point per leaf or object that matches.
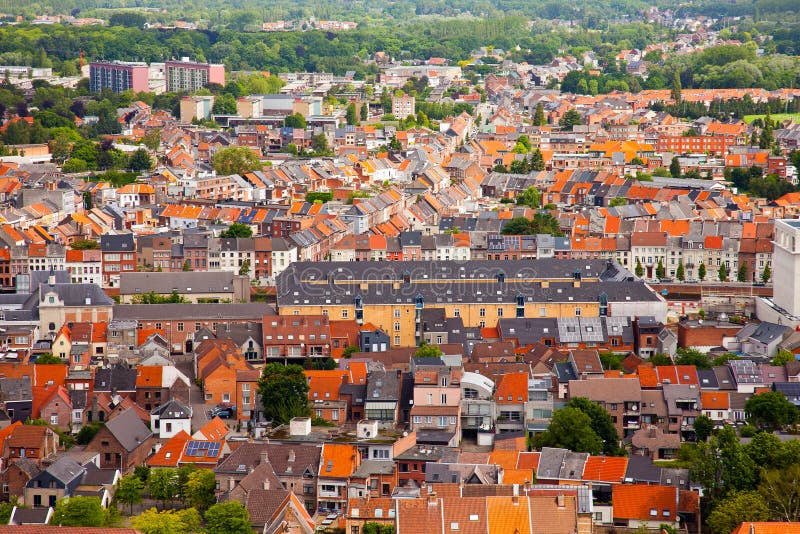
(225, 412)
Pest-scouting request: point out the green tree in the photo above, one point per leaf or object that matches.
(6, 509)
(660, 359)
(130, 490)
(351, 115)
(571, 118)
(701, 271)
(319, 144)
(675, 90)
(377, 528)
(152, 139)
(538, 116)
(237, 230)
(73, 165)
(187, 266)
(687, 356)
(295, 120)
(766, 274)
(530, 197)
(350, 350)
(782, 357)
(199, 489)
(542, 223)
(394, 144)
(140, 160)
(228, 518)
(601, 423)
(780, 490)
(426, 350)
(85, 244)
(167, 522)
(571, 429)
(675, 167)
(767, 138)
(660, 271)
(722, 273)
(770, 410)
(80, 512)
(319, 196)
(162, 485)
(235, 160)
(88, 432)
(639, 270)
(284, 392)
(618, 201)
(364, 111)
(244, 268)
(703, 426)
(735, 510)
(60, 148)
(680, 272)
(48, 358)
(536, 160)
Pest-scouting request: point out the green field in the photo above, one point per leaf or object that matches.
(777, 117)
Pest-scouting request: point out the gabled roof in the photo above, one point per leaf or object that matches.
(645, 502)
(129, 429)
(214, 429)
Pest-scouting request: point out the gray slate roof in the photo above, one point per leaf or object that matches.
(128, 429)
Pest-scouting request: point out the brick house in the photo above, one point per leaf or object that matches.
(14, 478)
(118, 255)
(218, 361)
(57, 408)
(123, 443)
(621, 398)
(34, 442)
(296, 466)
(157, 384)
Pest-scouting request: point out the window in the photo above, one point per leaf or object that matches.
(396, 340)
(417, 419)
(442, 421)
(180, 327)
(444, 398)
(499, 312)
(397, 313)
(344, 314)
(54, 419)
(158, 326)
(397, 326)
(482, 312)
(456, 312)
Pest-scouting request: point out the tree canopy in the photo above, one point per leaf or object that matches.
(570, 428)
(237, 230)
(284, 392)
(235, 160)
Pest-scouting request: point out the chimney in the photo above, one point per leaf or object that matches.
(527, 486)
(231, 483)
(51, 279)
(560, 500)
(431, 498)
(291, 455)
(264, 457)
(266, 484)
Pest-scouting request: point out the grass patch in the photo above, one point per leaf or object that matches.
(776, 117)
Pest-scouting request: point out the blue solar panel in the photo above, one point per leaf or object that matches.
(208, 449)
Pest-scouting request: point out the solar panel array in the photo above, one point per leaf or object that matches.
(202, 449)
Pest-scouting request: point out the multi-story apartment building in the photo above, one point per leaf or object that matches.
(118, 255)
(118, 76)
(189, 76)
(393, 294)
(403, 106)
